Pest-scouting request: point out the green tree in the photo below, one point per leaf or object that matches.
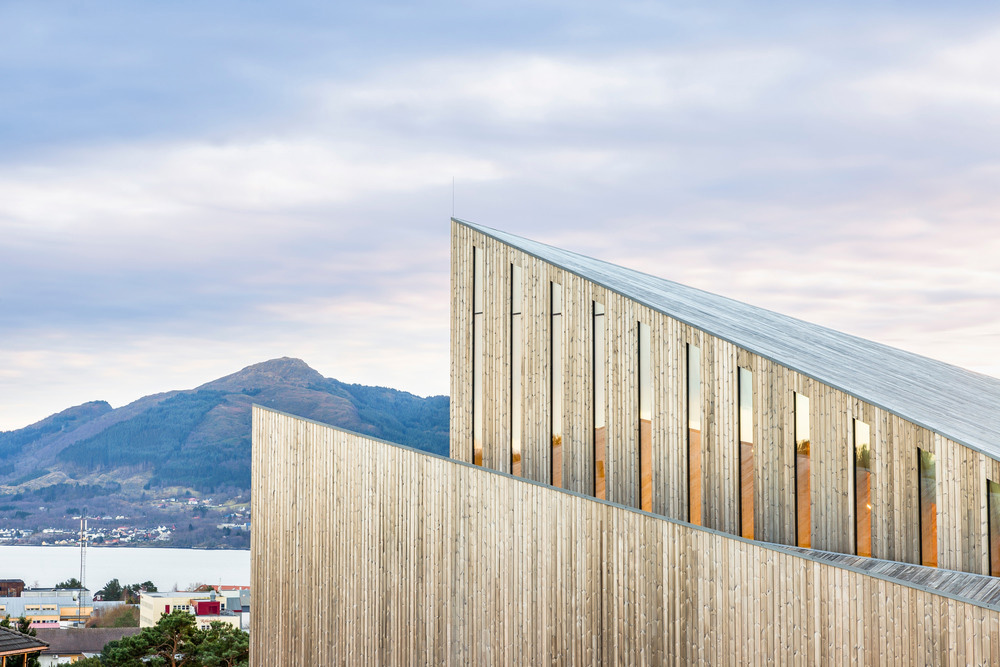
(166, 643)
(175, 642)
(23, 625)
(72, 582)
(132, 592)
(112, 591)
(122, 616)
(222, 645)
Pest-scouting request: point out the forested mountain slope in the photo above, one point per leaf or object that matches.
(200, 438)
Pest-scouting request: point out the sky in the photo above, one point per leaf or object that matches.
(188, 188)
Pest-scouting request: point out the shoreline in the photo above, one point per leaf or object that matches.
(119, 546)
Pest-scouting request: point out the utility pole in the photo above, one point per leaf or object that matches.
(83, 566)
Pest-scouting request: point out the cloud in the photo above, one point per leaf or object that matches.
(112, 191)
(953, 78)
(562, 89)
(282, 186)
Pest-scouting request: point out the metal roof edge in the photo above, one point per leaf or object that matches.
(498, 235)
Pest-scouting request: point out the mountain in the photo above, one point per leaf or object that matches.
(200, 438)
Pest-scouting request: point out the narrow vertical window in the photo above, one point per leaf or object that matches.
(746, 452)
(645, 421)
(694, 434)
(803, 497)
(557, 384)
(928, 508)
(516, 361)
(862, 488)
(993, 517)
(600, 404)
(478, 294)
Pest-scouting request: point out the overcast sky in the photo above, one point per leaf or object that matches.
(187, 188)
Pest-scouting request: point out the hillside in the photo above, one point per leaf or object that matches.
(198, 439)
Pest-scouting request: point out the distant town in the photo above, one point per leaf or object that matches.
(185, 521)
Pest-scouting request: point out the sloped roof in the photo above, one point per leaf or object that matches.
(959, 404)
(71, 641)
(13, 642)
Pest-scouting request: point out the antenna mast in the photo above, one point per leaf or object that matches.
(83, 566)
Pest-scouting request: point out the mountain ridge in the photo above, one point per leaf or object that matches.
(200, 438)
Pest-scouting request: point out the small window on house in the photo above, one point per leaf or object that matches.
(645, 421)
(746, 452)
(694, 433)
(993, 514)
(803, 495)
(516, 367)
(478, 355)
(556, 388)
(928, 507)
(862, 488)
(600, 403)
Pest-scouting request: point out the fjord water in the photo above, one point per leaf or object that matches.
(47, 566)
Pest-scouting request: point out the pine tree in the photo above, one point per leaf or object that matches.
(175, 641)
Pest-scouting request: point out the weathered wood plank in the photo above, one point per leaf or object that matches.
(962, 525)
(392, 556)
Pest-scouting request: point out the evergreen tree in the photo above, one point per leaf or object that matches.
(222, 645)
(112, 591)
(166, 643)
(175, 642)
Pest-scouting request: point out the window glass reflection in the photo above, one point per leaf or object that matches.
(645, 421)
(928, 508)
(694, 433)
(478, 294)
(600, 403)
(862, 488)
(993, 513)
(746, 452)
(556, 388)
(803, 497)
(516, 367)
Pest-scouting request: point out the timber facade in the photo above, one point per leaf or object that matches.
(365, 552)
(640, 473)
(953, 531)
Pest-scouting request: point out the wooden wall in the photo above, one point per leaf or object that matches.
(962, 473)
(369, 553)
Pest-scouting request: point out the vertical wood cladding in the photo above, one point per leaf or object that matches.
(895, 523)
(390, 556)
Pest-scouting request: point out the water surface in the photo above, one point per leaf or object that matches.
(47, 566)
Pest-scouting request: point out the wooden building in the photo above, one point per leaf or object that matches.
(640, 473)
(11, 588)
(619, 385)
